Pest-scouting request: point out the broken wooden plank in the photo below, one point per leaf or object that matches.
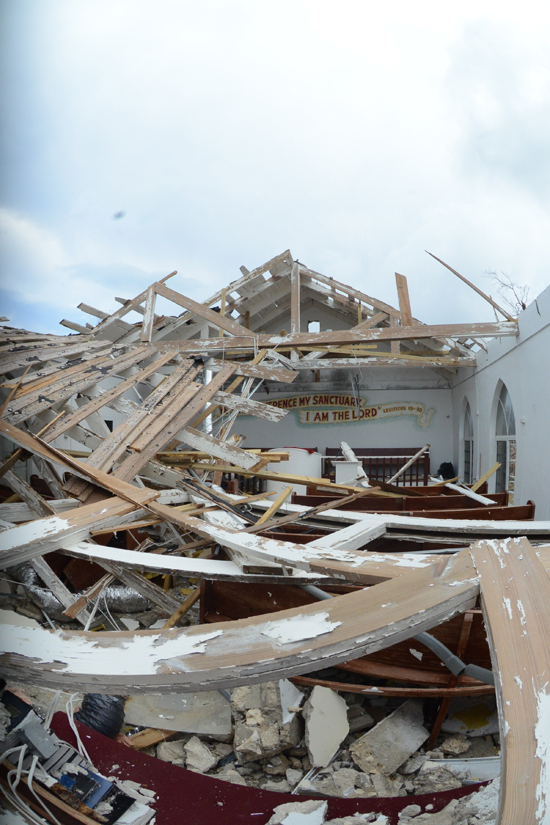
(475, 288)
(272, 475)
(210, 408)
(219, 449)
(127, 307)
(35, 355)
(39, 400)
(247, 406)
(397, 333)
(275, 507)
(149, 314)
(466, 491)
(214, 318)
(31, 539)
(404, 300)
(183, 609)
(128, 468)
(485, 477)
(294, 298)
(114, 446)
(249, 369)
(406, 466)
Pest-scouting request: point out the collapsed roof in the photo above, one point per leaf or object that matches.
(175, 380)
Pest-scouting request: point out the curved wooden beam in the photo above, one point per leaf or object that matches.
(241, 652)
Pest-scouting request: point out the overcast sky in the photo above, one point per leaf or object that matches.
(357, 134)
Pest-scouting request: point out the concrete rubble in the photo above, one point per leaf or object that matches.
(384, 748)
(266, 753)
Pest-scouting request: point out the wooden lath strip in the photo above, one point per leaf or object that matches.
(35, 355)
(131, 465)
(361, 296)
(35, 402)
(114, 446)
(252, 370)
(180, 395)
(210, 408)
(105, 398)
(247, 406)
(55, 372)
(218, 449)
(371, 322)
(294, 298)
(71, 376)
(232, 287)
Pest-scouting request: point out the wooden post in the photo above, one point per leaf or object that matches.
(294, 298)
(404, 301)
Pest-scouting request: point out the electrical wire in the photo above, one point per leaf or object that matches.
(70, 716)
(32, 790)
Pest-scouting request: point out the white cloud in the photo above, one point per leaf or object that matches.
(357, 135)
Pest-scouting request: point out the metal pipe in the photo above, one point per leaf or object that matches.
(449, 659)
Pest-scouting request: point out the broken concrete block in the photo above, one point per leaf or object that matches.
(450, 815)
(198, 756)
(326, 718)
(410, 810)
(384, 748)
(359, 719)
(413, 764)
(266, 718)
(171, 752)
(207, 713)
(311, 812)
(277, 766)
(384, 786)
(245, 697)
(363, 781)
(229, 774)
(279, 785)
(254, 717)
(344, 780)
(455, 744)
(293, 776)
(322, 785)
(270, 739)
(249, 748)
(440, 779)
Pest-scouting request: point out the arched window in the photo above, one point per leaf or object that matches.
(468, 473)
(506, 444)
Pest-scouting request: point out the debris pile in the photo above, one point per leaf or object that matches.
(329, 640)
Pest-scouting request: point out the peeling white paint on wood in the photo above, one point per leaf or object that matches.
(288, 631)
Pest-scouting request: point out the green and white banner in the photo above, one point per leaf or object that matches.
(327, 408)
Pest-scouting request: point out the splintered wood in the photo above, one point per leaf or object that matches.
(122, 434)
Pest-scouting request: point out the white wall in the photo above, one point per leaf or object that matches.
(402, 431)
(523, 364)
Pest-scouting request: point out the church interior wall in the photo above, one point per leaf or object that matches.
(522, 365)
